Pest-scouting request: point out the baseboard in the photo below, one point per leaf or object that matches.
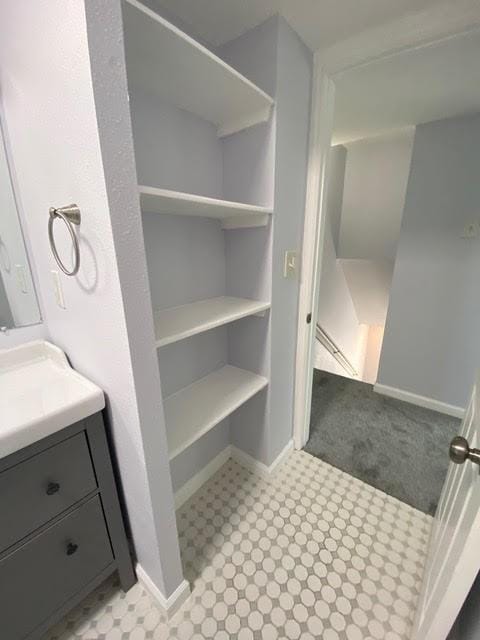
(191, 486)
(169, 605)
(259, 467)
(420, 401)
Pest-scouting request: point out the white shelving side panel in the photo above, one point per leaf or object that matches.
(193, 411)
(233, 214)
(187, 320)
(165, 61)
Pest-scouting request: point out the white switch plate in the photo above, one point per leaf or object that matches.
(57, 289)
(290, 265)
(21, 278)
(471, 230)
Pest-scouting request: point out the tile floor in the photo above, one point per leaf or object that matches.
(309, 552)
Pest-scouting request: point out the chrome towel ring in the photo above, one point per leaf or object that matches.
(70, 215)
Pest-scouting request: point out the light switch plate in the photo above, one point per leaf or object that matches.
(471, 230)
(57, 289)
(21, 278)
(290, 266)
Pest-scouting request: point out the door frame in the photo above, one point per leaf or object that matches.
(321, 128)
(414, 32)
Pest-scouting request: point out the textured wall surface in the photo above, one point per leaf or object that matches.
(64, 154)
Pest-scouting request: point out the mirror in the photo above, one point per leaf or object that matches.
(18, 300)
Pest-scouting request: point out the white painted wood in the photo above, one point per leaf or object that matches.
(453, 560)
(413, 30)
(163, 60)
(187, 320)
(199, 479)
(259, 467)
(169, 605)
(420, 401)
(243, 222)
(156, 200)
(196, 409)
(321, 127)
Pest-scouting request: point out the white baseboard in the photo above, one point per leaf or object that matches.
(168, 605)
(259, 467)
(191, 486)
(420, 401)
(199, 479)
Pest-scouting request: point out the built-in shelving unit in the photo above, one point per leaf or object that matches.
(188, 320)
(186, 103)
(193, 411)
(163, 60)
(166, 201)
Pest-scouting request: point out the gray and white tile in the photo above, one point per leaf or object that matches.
(309, 552)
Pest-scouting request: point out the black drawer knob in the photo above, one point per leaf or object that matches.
(71, 548)
(52, 488)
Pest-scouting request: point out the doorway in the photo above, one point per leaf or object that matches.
(390, 353)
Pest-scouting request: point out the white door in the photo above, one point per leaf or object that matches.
(453, 558)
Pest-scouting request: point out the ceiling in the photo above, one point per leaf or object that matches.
(421, 85)
(320, 23)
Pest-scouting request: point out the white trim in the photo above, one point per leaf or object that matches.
(255, 465)
(420, 401)
(415, 30)
(191, 486)
(321, 127)
(262, 115)
(245, 222)
(168, 605)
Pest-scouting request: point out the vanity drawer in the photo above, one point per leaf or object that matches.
(40, 576)
(40, 488)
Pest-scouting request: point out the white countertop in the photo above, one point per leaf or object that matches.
(40, 394)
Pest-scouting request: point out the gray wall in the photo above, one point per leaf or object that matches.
(431, 344)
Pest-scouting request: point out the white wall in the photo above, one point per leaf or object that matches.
(274, 57)
(71, 141)
(375, 182)
(293, 96)
(337, 162)
(369, 284)
(431, 345)
(336, 311)
(372, 353)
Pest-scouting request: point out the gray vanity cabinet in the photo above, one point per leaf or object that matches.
(61, 531)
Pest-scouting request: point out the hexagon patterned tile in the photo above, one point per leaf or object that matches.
(309, 552)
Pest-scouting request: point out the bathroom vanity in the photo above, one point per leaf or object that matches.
(61, 531)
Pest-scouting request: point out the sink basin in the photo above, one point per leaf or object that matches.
(40, 394)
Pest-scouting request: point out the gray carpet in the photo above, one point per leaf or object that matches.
(392, 445)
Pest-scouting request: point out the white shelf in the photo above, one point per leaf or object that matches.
(182, 322)
(193, 411)
(165, 201)
(164, 60)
